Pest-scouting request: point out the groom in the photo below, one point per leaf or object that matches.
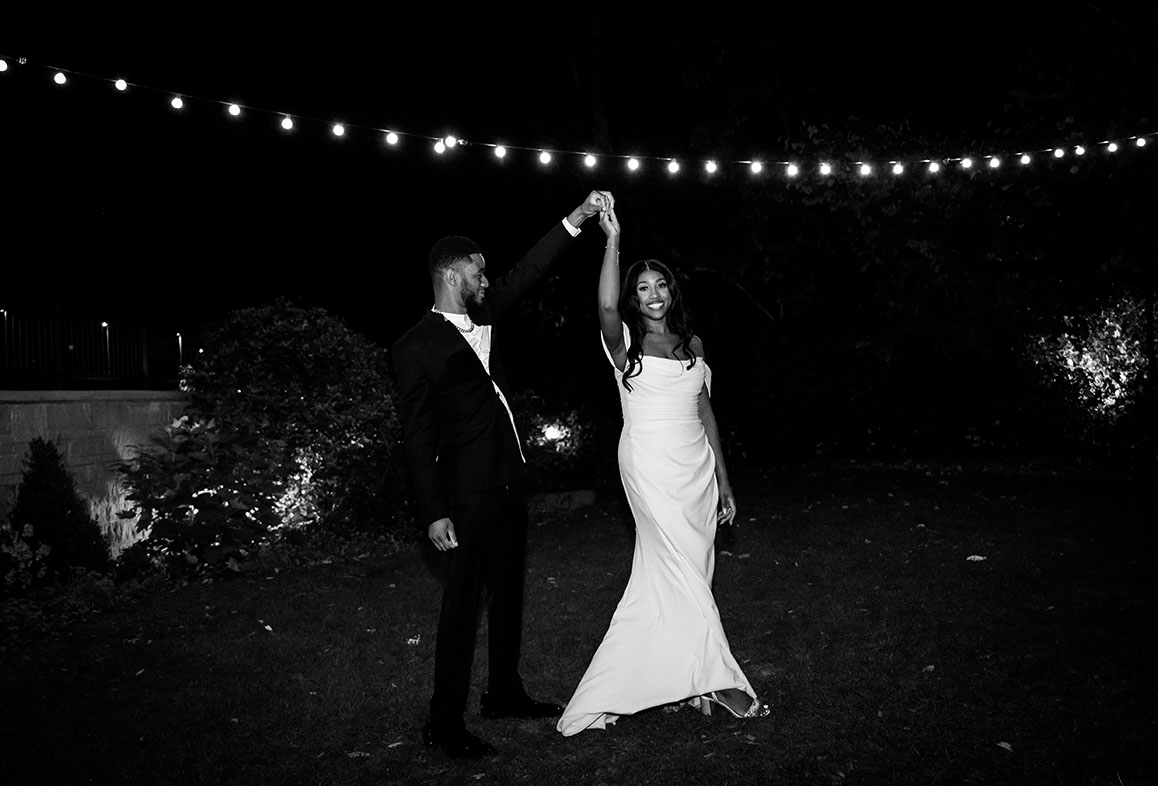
(466, 463)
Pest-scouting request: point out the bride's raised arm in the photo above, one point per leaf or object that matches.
(610, 320)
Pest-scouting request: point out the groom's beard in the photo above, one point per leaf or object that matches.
(471, 297)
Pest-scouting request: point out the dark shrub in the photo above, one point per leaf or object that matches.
(50, 531)
(291, 423)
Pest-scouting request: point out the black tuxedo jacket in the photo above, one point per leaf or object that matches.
(457, 436)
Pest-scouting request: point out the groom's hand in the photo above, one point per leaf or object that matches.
(596, 202)
(441, 534)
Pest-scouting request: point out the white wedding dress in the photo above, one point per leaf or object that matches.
(665, 642)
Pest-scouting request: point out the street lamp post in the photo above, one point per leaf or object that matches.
(108, 353)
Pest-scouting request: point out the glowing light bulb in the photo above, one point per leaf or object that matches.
(1141, 141)
(440, 147)
(792, 170)
(121, 85)
(966, 163)
(104, 324)
(710, 167)
(1058, 153)
(60, 78)
(865, 170)
(589, 161)
(934, 167)
(1112, 147)
(673, 167)
(1079, 150)
(391, 138)
(177, 103)
(500, 151)
(826, 169)
(3, 66)
(287, 123)
(756, 167)
(338, 129)
(994, 162)
(234, 110)
(898, 168)
(544, 157)
(450, 141)
(1025, 159)
(632, 164)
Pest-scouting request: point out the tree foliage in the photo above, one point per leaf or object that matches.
(291, 423)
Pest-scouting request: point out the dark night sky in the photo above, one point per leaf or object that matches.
(116, 199)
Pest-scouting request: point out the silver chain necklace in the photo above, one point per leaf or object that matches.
(456, 327)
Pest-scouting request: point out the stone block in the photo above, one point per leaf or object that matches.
(91, 447)
(28, 422)
(11, 467)
(70, 417)
(91, 479)
(108, 415)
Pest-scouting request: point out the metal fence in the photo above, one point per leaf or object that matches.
(74, 351)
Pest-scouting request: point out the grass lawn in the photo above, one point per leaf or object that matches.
(848, 594)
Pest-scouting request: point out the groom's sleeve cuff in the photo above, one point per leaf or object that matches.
(571, 230)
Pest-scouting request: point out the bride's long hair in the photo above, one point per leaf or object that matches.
(678, 319)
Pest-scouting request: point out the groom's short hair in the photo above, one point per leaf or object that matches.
(449, 250)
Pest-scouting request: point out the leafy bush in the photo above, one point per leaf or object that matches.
(291, 423)
(199, 493)
(1096, 365)
(49, 532)
(21, 564)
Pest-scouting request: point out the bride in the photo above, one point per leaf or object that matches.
(665, 643)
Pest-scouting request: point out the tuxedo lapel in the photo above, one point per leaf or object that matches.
(445, 339)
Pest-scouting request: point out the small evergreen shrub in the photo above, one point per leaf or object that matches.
(49, 532)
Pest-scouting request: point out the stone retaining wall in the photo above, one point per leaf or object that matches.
(92, 429)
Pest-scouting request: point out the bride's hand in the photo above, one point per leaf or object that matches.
(727, 512)
(609, 223)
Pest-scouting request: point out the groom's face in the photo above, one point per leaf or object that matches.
(473, 284)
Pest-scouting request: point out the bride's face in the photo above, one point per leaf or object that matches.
(652, 294)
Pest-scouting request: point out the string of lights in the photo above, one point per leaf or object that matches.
(673, 165)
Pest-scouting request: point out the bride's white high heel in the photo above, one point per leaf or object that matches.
(757, 709)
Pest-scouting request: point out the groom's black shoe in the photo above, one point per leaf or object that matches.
(460, 744)
(524, 707)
